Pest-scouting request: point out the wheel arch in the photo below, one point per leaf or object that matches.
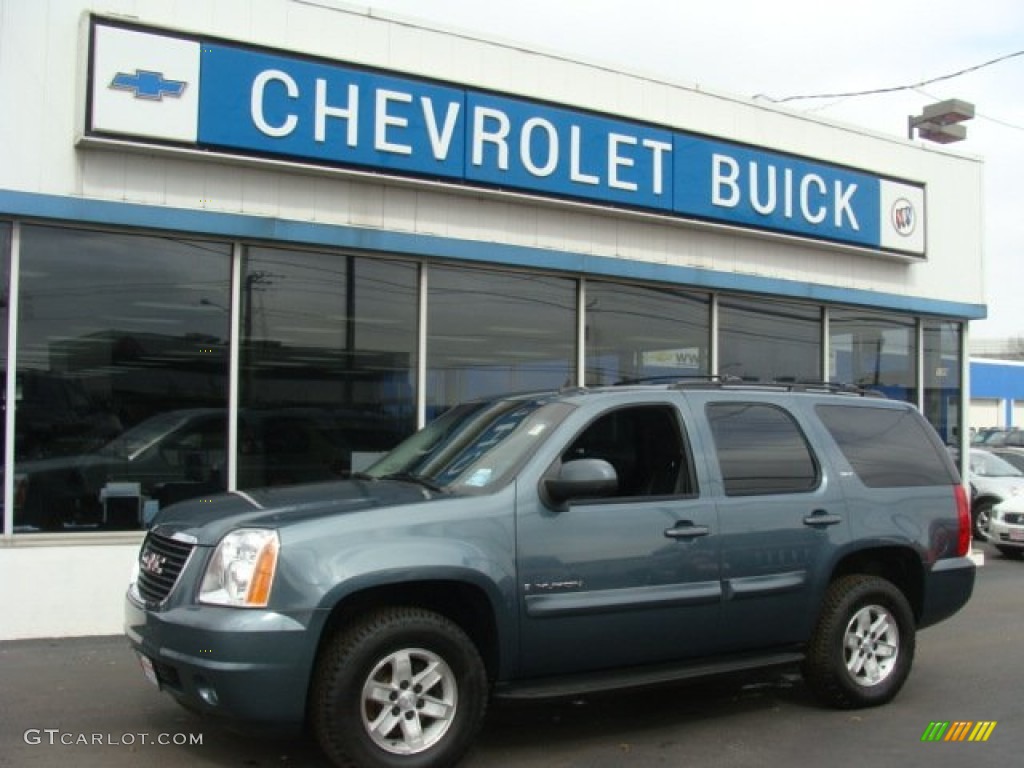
(465, 603)
(985, 498)
(900, 565)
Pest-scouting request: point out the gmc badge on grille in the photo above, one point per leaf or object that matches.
(152, 563)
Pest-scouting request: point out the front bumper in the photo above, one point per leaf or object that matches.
(1002, 534)
(250, 666)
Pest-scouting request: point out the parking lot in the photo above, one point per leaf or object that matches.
(84, 702)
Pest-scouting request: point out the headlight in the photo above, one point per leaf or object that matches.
(241, 571)
(133, 579)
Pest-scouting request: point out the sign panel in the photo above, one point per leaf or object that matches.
(148, 85)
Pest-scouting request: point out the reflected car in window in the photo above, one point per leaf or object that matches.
(179, 455)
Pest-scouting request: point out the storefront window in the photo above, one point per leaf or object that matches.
(760, 340)
(942, 384)
(328, 364)
(637, 333)
(122, 376)
(874, 351)
(5, 272)
(491, 332)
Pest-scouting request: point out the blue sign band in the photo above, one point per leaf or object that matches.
(270, 104)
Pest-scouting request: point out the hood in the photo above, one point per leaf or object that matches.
(208, 518)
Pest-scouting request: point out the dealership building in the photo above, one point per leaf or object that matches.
(258, 243)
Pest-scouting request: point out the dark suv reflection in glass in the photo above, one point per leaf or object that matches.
(179, 455)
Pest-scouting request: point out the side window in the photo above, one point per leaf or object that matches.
(645, 446)
(888, 447)
(761, 450)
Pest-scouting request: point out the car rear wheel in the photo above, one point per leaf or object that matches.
(863, 646)
(403, 687)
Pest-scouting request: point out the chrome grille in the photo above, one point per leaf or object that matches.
(1014, 518)
(161, 562)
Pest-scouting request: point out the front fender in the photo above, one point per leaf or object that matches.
(440, 542)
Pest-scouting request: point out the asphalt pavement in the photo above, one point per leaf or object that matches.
(85, 702)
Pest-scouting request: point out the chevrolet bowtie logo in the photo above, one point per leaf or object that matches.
(145, 84)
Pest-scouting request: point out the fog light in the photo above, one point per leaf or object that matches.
(206, 692)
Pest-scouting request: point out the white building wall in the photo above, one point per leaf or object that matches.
(58, 586)
(78, 585)
(41, 39)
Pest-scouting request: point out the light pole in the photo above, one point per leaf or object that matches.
(941, 122)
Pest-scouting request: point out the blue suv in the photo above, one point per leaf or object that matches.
(555, 544)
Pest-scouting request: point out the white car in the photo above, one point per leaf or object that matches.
(993, 480)
(1006, 527)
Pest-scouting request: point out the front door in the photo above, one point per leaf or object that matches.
(628, 580)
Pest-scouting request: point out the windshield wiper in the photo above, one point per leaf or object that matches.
(409, 477)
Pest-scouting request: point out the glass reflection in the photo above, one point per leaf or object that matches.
(491, 333)
(5, 272)
(118, 335)
(874, 351)
(942, 387)
(762, 340)
(328, 362)
(635, 333)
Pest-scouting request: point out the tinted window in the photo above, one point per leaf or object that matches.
(761, 340)
(636, 332)
(760, 450)
(497, 332)
(328, 364)
(887, 447)
(874, 351)
(122, 341)
(644, 446)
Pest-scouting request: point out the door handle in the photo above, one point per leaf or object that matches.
(819, 518)
(685, 529)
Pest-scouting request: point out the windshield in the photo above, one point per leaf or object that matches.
(474, 445)
(990, 465)
(132, 442)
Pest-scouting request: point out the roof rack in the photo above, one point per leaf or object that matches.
(796, 385)
(723, 381)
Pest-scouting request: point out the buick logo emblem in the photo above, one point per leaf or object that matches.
(152, 563)
(904, 217)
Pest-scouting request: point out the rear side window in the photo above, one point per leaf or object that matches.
(887, 447)
(761, 450)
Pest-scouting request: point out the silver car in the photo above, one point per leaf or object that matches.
(1006, 527)
(993, 480)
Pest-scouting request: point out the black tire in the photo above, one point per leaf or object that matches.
(980, 517)
(367, 707)
(863, 646)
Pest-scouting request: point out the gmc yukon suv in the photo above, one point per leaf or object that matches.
(555, 544)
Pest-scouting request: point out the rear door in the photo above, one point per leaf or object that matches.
(627, 580)
(781, 517)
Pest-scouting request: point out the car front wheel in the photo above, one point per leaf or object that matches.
(402, 687)
(863, 646)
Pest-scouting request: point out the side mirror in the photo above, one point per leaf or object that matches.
(582, 478)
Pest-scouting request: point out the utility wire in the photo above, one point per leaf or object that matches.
(892, 88)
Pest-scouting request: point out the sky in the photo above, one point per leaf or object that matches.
(776, 49)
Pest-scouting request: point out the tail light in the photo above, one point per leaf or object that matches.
(963, 514)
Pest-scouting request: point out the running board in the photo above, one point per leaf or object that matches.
(636, 677)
